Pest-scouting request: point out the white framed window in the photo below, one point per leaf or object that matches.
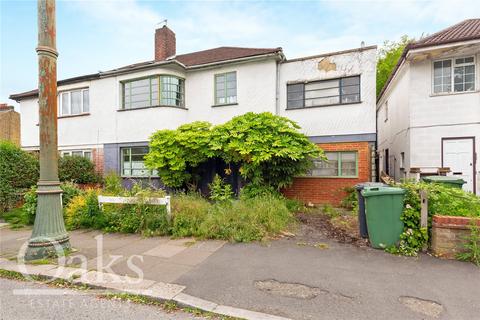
(454, 75)
(73, 102)
(226, 88)
(338, 164)
(133, 162)
(77, 153)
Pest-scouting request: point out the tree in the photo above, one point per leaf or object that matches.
(269, 150)
(388, 56)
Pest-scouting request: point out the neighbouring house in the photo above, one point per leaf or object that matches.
(9, 124)
(428, 113)
(109, 116)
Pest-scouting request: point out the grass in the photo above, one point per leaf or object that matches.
(16, 217)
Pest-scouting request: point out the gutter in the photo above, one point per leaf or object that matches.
(100, 75)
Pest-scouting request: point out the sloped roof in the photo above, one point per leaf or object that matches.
(198, 58)
(463, 31)
(466, 30)
(221, 54)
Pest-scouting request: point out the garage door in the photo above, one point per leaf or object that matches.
(458, 155)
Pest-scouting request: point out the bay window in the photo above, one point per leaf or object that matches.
(164, 90)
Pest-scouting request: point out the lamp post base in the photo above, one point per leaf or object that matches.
(49, 237)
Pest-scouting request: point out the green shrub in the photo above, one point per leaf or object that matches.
(18, 171)
(77, 169)
(113, 184)
(219, 190)
(442, 200)
(70, 190)
(83, 211)
(238, 220)
(351, 200)
(189, 211)
(269, 149)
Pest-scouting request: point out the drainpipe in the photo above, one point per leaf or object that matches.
(49, 235)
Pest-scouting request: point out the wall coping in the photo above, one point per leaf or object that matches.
(453, 222)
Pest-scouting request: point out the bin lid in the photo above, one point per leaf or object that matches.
(378, 191)
(363, 185)
(449, 179)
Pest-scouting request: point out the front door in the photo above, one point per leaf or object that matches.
(458, 155)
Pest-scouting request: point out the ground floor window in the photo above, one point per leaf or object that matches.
(338, 164)
(132, 164)
(77, 153)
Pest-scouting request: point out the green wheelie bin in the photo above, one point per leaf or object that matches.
(384, 206)
(449, 181)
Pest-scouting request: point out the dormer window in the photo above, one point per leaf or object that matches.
(74, 102)
(154, 91)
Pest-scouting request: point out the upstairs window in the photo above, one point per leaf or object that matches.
(226, 88)
(338, 164)
(323, 93)
(154, 91)
(74, 102)
(454, 75)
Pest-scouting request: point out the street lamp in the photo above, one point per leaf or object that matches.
(49, 233)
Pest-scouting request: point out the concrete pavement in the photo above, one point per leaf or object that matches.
(33, 301)
(290, 278)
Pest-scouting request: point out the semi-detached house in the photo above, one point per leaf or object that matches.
(428, 114)
(109, 116)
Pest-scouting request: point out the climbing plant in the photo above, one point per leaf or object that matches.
(269, 149)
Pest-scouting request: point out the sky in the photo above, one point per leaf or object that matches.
(101, 35)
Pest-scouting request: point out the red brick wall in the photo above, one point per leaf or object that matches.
(329, 190)
(97, 158)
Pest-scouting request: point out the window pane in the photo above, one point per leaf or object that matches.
(322, 101)
(350, 81)
(327, 168)
(65, 103)
(350, 98)
(232, 76)
(87, 154)
(76, 102)
(349, 164)
(77, 153)
(173, 89)
(86, 101)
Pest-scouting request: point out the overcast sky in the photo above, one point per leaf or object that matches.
(100, 35)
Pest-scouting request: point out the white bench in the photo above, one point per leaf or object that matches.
(134, 200)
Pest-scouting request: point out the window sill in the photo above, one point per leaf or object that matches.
(325, 105)
(74, 115)
(152, 107)
(443, 94)
(225, 105)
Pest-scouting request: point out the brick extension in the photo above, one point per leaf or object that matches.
(449, 234)
(97, 158)
(330, 190)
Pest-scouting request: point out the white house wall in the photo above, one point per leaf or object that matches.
(338, 119)
(393, 133)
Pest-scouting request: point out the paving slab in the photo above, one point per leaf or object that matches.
(165, 250)
(190, 257)
(164, 291)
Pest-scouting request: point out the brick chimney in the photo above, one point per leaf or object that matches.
(4, 106)
(165, 43)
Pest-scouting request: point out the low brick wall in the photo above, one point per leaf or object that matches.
(448, 235)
